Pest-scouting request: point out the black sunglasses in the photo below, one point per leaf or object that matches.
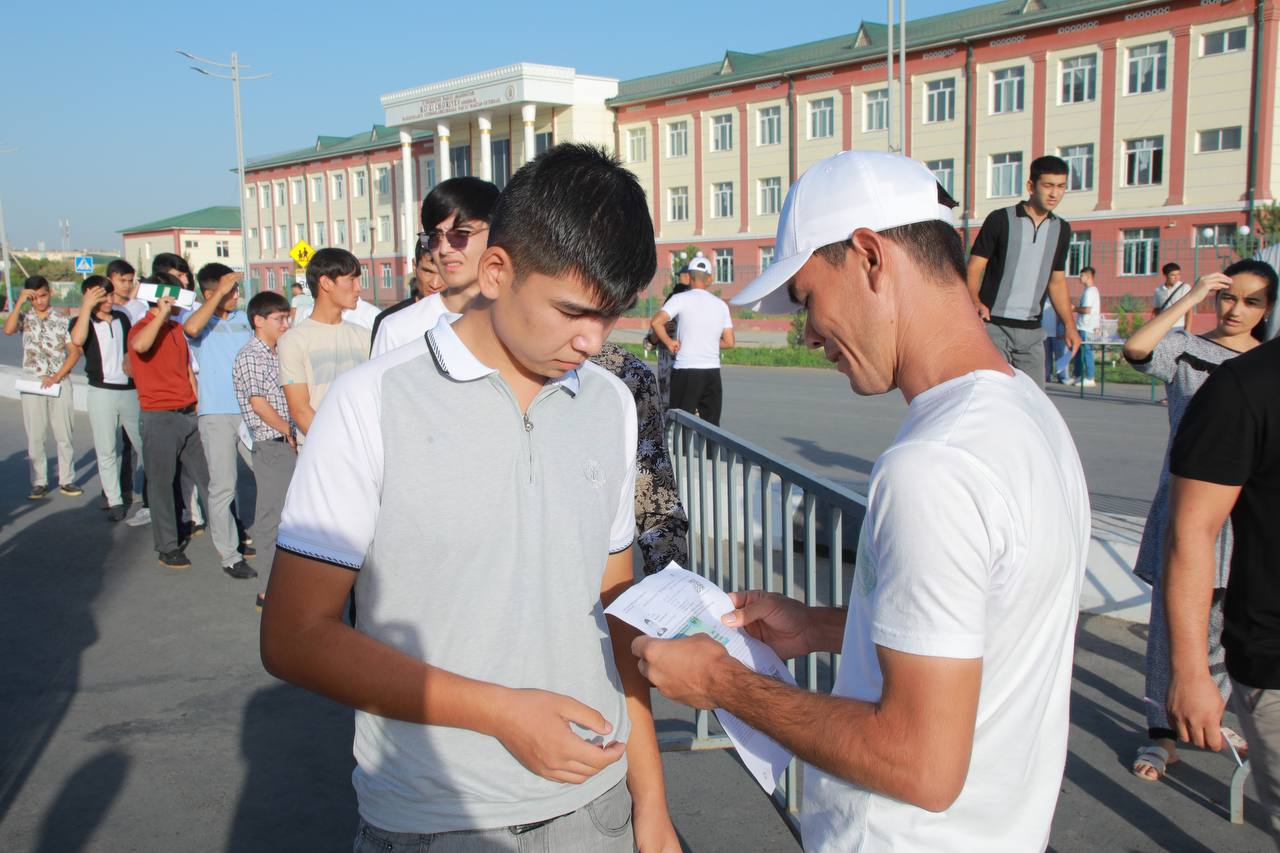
(457, 238)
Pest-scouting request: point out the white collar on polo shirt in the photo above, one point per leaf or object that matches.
(453, 357)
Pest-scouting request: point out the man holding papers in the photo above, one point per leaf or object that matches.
(947, 726)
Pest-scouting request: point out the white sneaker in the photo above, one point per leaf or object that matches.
(139, 518)
(1088, 383)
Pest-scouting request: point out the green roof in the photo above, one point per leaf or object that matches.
(867, 44)
(209, 217)
(380, 136)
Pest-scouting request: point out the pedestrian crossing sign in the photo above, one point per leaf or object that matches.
(84, 264)
(301, 252)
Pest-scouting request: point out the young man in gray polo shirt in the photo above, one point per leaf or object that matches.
(491, 714)
(1020, 253)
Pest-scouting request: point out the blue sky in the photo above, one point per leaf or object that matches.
(111, 128)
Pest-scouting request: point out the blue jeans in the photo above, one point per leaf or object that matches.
(1083, 363)
(1056, 358)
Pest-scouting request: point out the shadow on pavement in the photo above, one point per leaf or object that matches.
(84, 801)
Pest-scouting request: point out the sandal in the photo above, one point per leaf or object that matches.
(1235, 743)
(1155, 757)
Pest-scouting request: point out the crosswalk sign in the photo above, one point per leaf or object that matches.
(84, 264)
(301, 252)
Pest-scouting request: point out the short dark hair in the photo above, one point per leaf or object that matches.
(36, 282)
(167, 262)
(1048, 165)
(575, 209)
(1168, 268)
(265, 304)
(330, 263)
(470, 198)
(210, 274)
(297, 284)
(1089, 270)
(120, 267)
(95, 281)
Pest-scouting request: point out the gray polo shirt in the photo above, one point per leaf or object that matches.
(481, 536)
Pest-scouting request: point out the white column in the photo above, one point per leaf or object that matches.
(409, 202)
(442, 151)
(485, 122)
(528, 114)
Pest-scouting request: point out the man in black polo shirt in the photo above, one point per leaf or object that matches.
(1020, 253)
(1225, 462)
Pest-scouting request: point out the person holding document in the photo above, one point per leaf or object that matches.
(48, 355)
(947, 727)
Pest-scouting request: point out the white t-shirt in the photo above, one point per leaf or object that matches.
(701, 318)
(363, 314)
(973, 546)
(1093, 320)
(409, 324)
(1164, 298)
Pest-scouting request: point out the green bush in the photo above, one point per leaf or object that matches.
(795, 337)
(1129, 311)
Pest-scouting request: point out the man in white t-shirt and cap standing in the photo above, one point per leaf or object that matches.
(947, 725)
(703, 328)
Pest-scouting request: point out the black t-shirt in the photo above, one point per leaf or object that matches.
(1014, 281)
(1230, 435)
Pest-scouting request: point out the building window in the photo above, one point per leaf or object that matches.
(1143, 161)
(500, 161)
(299, 191)
(266, 240)
(1079, 166)
(264, 196)
(1006, 90)
(1223, 41)
(769, 126)
(384, 229)
(1141, 251)
(724, 266)
(722, 200)
(678, 204)
(1079, 252)
(678, 139)
(283, 232)
(460, 160)
(542, 142)
(362, 183)
(1006, 174)
(317, 189)
(364, 272)
(1147, 68)
(317, 229)
(940, 100)
(769, 196)
(383, 175)
(766, 257)
(945, 172)
(637, 145)
(1220, 139)
(299, 232)
(875, 110)
(190, 244)
(253, 233)
(251, 194)
(822, 118)
(1079, 79)
(431, 174)
(281, 197)
(339, 182)
(386, 276)
(271, 279)
(1222, 234)
(340, 232)
(362, 230)
(722, 132)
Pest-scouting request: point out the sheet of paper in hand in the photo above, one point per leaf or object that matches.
(678, 603)
(182, 298)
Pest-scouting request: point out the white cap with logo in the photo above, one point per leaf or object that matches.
(700, 263)
(834, 198)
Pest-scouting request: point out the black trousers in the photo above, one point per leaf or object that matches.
(698, 391)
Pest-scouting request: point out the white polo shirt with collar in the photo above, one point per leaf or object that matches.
(480, 534)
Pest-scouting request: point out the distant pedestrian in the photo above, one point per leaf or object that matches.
(1020, 255)
(1056, 358)
(1088, 320)
(1243, 295)
(1170, 291)
(704, 327)
(124, 286)
(100, 331)
(48, 355)
(301, 304)
(426, 282)
(666, 358)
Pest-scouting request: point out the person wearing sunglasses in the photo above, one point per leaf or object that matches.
(455, 233)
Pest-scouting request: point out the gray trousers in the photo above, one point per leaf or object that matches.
(601, 826)
(170, 439)
(41, 415)
(273, 463)
(221, 440)
(1259, 713)
(109, 410)
(1022, 348)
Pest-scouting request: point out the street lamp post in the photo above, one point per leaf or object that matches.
(235, 77)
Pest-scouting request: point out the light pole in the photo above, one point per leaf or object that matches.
(235, 77)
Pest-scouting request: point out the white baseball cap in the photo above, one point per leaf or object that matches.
(700, 263)
(832, 199)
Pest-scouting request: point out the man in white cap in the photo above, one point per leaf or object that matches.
(703, 328)
(947, 726)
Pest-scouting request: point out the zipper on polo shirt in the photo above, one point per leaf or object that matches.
(528, 440)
